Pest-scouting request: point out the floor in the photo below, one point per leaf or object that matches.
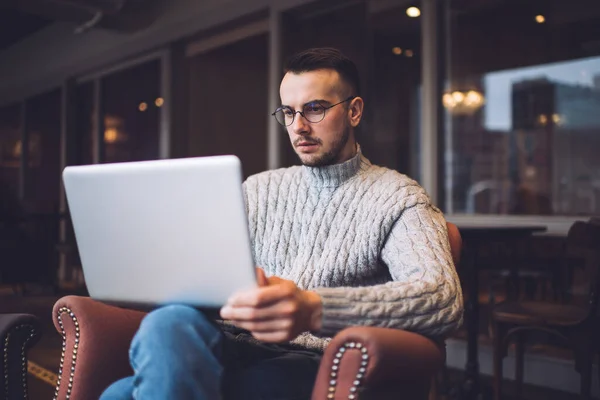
(45, 356)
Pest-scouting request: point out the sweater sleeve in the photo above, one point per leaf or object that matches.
(425, 294)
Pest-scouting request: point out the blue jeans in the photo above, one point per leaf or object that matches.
(180, 354)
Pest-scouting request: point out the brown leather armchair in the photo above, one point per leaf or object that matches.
(19, 333)
(360, 362)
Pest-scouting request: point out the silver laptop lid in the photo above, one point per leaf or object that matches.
(165, 231)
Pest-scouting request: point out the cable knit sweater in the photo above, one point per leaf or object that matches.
(367, 239)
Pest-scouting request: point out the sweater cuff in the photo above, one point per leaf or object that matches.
(337, 313)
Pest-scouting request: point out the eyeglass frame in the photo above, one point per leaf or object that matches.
(325, 108)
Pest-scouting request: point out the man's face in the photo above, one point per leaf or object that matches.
(330, 141)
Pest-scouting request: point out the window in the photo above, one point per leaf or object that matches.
(10, 159)
(392, 120)
(523, 108)
(84, 115)
(131, 102)
(228, 101)
(42, 181)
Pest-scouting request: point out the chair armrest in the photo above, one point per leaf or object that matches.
(378, 363)
(95, 349)
(19, 332)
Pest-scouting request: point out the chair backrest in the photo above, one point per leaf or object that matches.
(455, 242)
(582, 263)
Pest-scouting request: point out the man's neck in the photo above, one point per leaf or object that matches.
(336, 174)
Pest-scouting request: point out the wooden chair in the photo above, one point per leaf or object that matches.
(575, 323)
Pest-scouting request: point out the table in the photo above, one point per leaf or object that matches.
(473, 236)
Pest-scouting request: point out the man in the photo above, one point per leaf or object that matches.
(342, 242)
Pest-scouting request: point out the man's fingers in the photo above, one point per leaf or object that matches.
(261, 278)
(274, 280)
(245, 313)
(278, 310)
(260, 297)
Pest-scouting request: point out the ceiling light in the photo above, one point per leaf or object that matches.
(143, 106)
(540, 19)
(413, 12)
(397, 50)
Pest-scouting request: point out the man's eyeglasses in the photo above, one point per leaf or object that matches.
(313, 112)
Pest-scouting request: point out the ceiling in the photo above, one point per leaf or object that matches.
(16, 25)
(21, 18)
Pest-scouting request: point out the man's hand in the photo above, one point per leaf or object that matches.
(277, 311)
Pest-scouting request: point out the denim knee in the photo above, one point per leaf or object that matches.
(175, 323)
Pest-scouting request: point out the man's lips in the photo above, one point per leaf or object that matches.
(307, 147)
(305, 142)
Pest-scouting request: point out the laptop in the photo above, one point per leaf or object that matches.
(151, 233)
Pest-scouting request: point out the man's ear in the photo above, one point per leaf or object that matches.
(355, 111)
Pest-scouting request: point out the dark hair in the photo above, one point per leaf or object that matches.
(325, 58)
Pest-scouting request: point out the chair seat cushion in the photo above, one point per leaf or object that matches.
(538, 313)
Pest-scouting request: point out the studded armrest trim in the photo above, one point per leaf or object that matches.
(66, 312)
(8, 338)
(360, 373)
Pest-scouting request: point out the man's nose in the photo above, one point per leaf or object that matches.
(300, 125)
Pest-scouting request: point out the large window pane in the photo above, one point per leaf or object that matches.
(228, 102)
(84, 115)
(523, 105)
(10, 159)
(131, 102)
(394, 76)
(43, 176)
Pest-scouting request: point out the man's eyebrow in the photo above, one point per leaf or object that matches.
(318, 101)
(308, 102)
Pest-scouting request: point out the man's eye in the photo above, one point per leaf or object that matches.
(313, 108)
(287, 112)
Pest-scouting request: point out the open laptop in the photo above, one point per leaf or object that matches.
(158, 232)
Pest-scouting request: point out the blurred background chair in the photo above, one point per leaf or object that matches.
(360, 362)
(574, 320)
(20, 332)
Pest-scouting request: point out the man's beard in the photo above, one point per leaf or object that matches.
(332, 155)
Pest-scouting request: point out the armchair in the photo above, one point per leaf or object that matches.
(19, 333)
(360, 362)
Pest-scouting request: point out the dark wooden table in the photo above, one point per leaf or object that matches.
(473, 236)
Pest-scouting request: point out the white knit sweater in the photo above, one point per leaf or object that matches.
(367, 239)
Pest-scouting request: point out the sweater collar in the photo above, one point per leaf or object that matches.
(337, 174)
